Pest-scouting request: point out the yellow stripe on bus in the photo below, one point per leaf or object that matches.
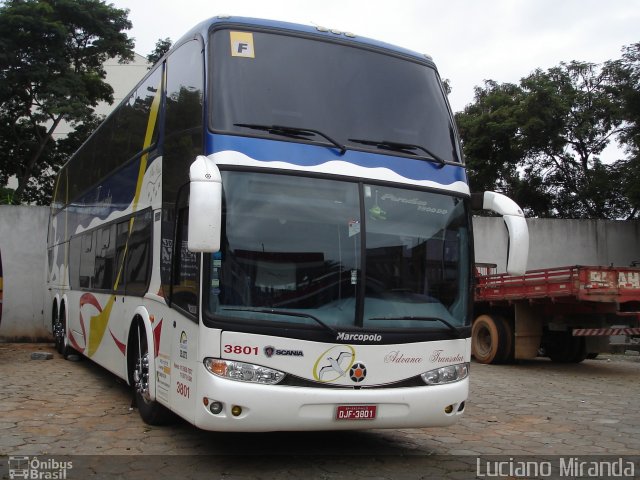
(98, 323)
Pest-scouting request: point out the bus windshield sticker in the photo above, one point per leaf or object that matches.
(242, 44)
(354, 228)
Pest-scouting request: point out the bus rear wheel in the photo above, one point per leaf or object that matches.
(60, 332)
(491, 339)
(150, 411)
(57, 328)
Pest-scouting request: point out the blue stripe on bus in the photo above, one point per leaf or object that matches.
(305, 155)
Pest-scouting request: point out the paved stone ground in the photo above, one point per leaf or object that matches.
(55, 408)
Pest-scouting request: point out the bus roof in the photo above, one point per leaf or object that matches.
(320, 32)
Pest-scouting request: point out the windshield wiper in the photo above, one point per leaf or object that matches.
(422, 319)
(285, 313)
(293, 132)
(404, 148)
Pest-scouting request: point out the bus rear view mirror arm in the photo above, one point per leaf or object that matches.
(513, 216)
(205, 206)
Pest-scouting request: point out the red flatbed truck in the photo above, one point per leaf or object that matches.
(565, 313)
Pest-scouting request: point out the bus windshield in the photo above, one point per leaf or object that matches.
(333, 93)
(339, 254)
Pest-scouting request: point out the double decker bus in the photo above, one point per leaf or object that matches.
(273, 232)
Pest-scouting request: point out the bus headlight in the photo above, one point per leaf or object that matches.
(243, 372)
(448, 374)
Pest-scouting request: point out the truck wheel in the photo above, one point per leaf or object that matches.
(565, 348)
(491, 339)
(509, 340)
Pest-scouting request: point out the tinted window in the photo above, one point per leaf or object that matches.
(342, 91)
(183, 139)
(118, 139)
(185, 280)
(87, 259)
(109, 254)
(292, 251)
(139, 255)
(75, 247)
(105, 258)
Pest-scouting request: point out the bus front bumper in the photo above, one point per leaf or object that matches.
(248, 407)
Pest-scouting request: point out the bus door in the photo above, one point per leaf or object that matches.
(184, 299)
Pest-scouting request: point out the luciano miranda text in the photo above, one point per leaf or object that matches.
(565, 467)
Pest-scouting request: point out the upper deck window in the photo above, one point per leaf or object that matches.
(345, 92)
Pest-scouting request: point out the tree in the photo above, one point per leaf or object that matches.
(625, 89)
(162, 47)
(541, 142)
(51, 70)
(494, 149)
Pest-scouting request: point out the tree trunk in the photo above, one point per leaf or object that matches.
(26, 175)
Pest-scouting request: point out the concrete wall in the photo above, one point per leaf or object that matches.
(556, 243)
(23, 232)
(23, 239)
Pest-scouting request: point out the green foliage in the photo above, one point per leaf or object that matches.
(541, 141)
(51, 70)
(6, 196)
(162, 47)
(625, 92)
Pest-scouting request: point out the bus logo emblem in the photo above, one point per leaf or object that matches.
(334, 363)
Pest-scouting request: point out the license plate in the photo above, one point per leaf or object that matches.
(356, 412)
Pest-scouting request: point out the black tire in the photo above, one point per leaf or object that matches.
(592, 355)
(150, 411)
(510, 343)
(491, 339)
(62, 339)
(56, 328)
(565, 348)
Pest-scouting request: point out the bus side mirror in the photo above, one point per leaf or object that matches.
(516, 226)
(205, 206)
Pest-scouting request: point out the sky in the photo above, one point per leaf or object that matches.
(470, 40)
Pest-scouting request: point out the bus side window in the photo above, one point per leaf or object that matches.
(105, 255)
(183, 119)
(185, 272)
(183, 137)
(138, 269)
(122, 234)
(74, 261)
(87, 260)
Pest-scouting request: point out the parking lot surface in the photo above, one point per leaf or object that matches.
(61, 410)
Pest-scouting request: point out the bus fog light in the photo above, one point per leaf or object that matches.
(236, 411)
(215, 407)
(243, 372)
(448, 409)
(448, 374)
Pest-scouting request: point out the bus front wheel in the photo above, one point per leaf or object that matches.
(150, 411)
